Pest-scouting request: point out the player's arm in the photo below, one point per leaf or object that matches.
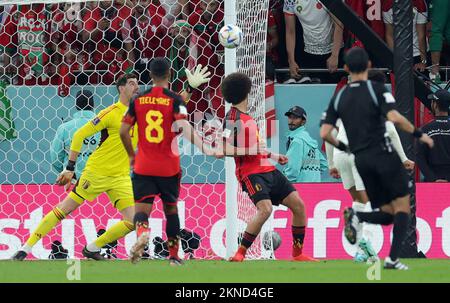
(127, 123)
(387, 106)
(328, 123)
(395, 138)
(89, 129)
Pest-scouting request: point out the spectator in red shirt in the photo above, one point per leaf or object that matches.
(26, 34)
(271, 47)
(143, 30)
(185, 49)
(103, 39)
(207, 21)
(69, 58)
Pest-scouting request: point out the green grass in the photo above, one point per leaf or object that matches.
(421, 270)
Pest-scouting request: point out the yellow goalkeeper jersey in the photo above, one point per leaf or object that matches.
(110, 158)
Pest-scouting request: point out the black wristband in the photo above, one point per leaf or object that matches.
(70, 166)
(342, 146)
(417, 133)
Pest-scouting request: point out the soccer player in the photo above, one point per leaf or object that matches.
(265, 185)
(107, 171)
(363, 107)
(159, 114)
(342, 165)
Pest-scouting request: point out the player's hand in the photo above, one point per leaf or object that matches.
(283, 160)
(294, 70)
(131, 161)
(198, 77)
(409, 165)
(332, 63)
(334, 173)
(427, 140)
(64, 177)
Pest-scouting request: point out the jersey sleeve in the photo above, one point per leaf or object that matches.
(231, 130)
(130, 116)
(330, 116)
(179, 109)
(385, 98)
(289, 7)
(100, 122)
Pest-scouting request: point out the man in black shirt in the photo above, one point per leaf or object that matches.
(435, 163)
(363, 107)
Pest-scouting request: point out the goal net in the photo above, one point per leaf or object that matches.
(54, 54)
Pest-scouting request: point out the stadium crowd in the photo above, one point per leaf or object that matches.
(96, 41)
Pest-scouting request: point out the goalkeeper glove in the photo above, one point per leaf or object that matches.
(198, 77)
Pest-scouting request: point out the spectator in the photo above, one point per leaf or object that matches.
(306, 161)
(69, 59)
(322, 32)
(420, 20)
(207, 20)
(26, 34)
(435, 163)
(143, 30)
(103, 40)
(440, 32)
(185, 49)
(60, 147)
(271, 47)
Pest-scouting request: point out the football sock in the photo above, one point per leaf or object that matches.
(376, 217)
(141, 223)
(117, 231)
(298, 236)
(45, 226)
(173, 225)
(247, 240)
(401, 221)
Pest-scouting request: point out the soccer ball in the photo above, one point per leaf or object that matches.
(276, 240)
(230, 36)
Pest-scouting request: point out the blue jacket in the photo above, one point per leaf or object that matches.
(306, 161)
(60, 147)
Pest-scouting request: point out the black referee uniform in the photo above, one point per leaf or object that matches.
(362, 107)
(434, 163)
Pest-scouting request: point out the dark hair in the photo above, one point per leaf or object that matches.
(442, 105)
(357, 60)
(159, 68)
(122, 81)
(84, 100)
(236, 87)
(377, 76)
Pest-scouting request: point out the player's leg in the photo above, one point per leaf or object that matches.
(398, 187)
(257, 186)
(170, 191)
(145, 190)
(263, 212)
(119, 190)
(49, 221)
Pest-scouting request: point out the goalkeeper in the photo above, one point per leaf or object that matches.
(107, 171)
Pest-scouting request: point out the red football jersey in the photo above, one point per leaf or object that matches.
(241, 130)
(154, 111)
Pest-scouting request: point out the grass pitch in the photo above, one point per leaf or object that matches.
(421, 270)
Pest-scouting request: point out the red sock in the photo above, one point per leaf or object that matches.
(141, 228)
(172, 243)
